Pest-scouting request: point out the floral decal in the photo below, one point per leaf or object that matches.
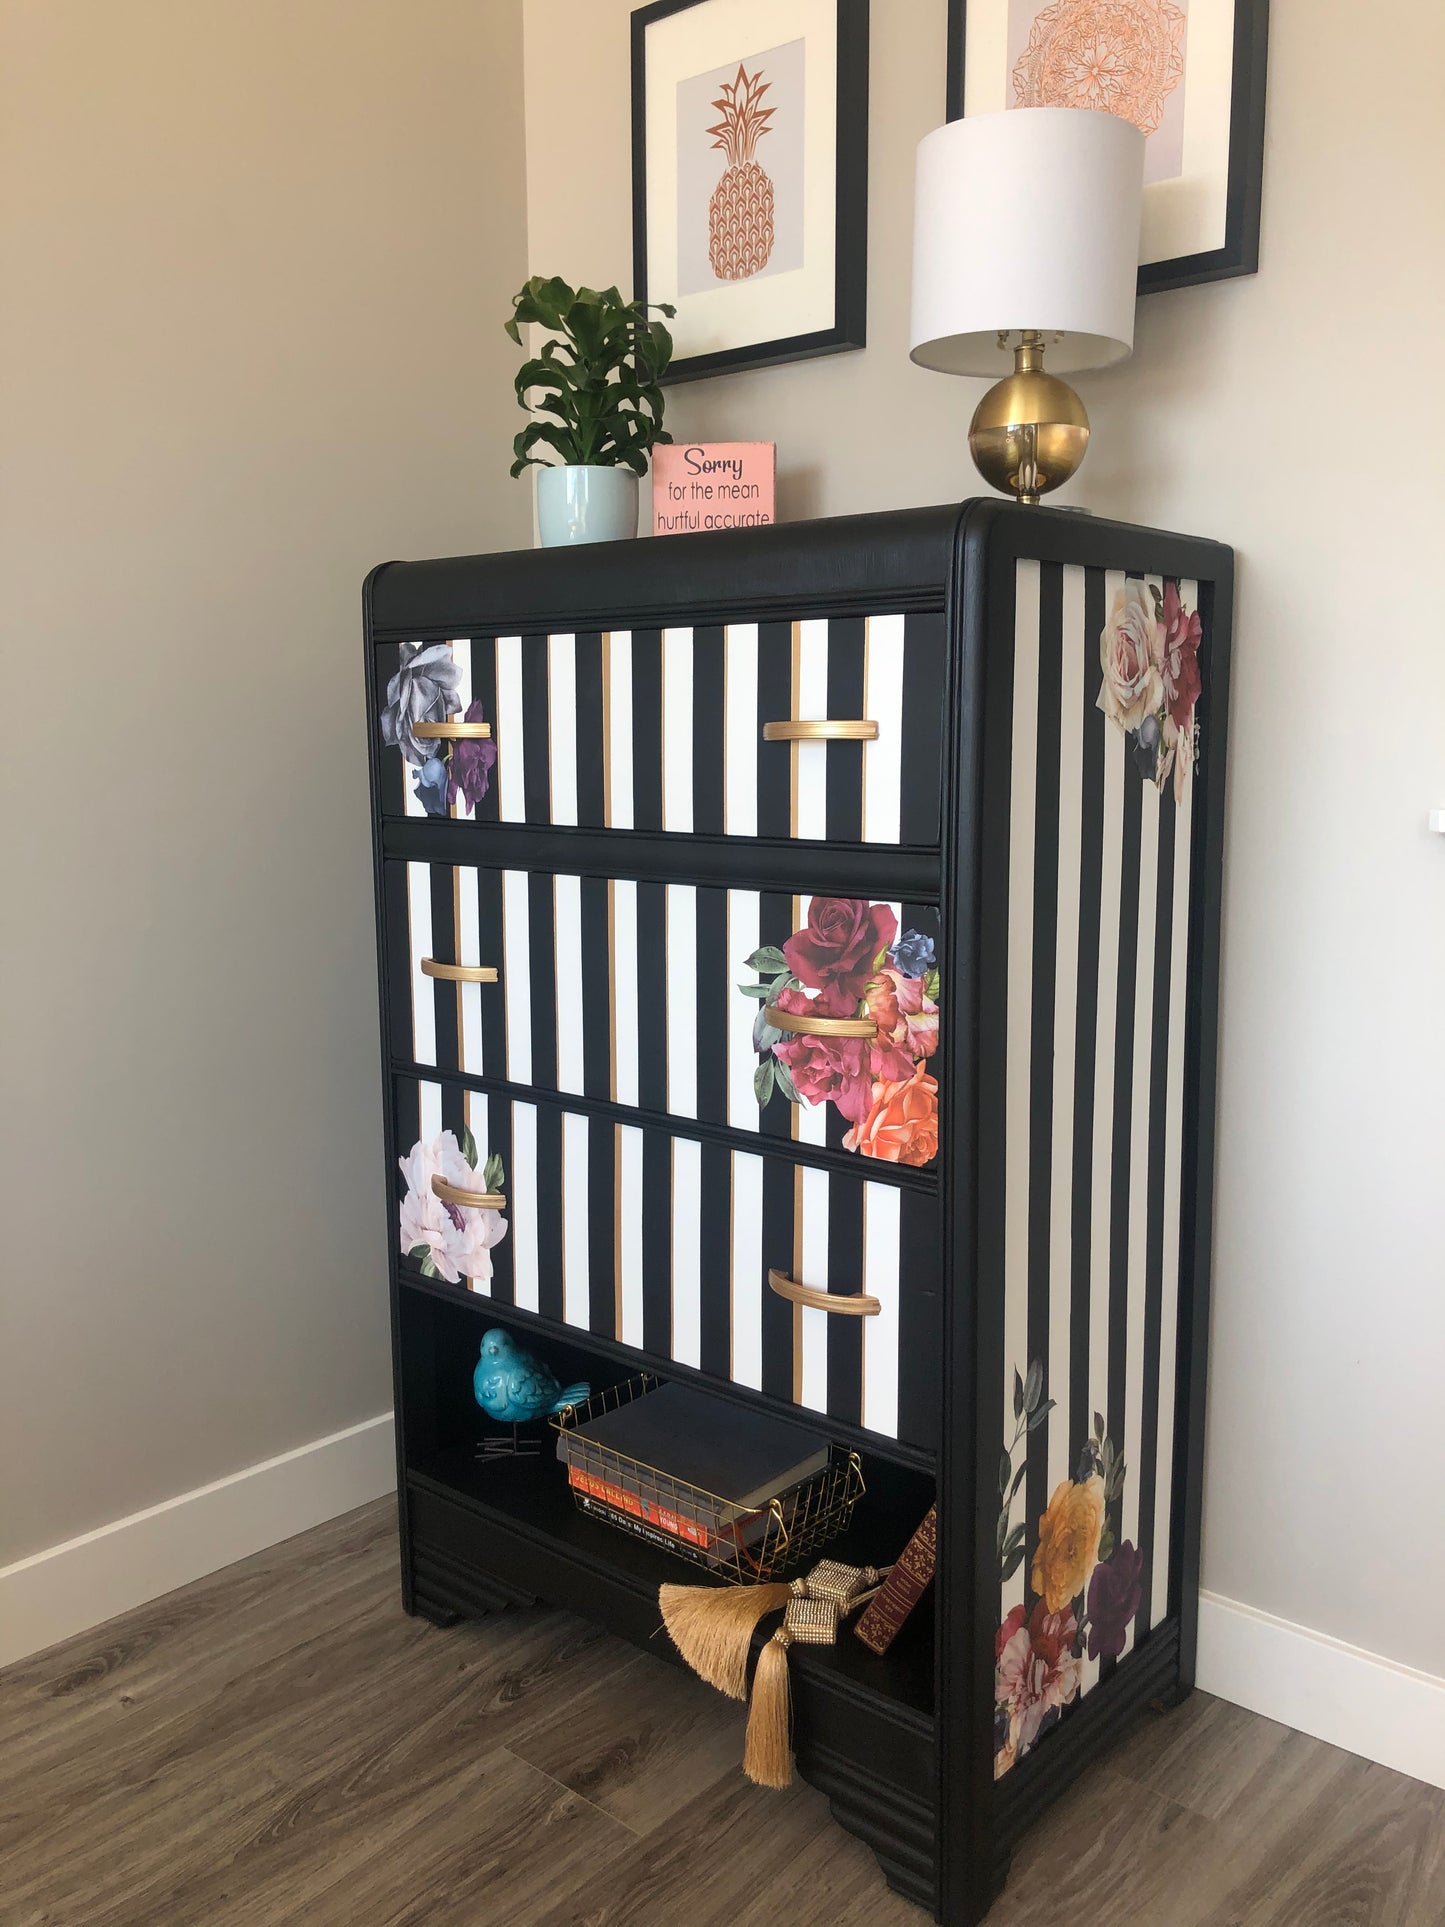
(1149, 653)
(849, 961)
(448, 1240)
(1122, 57)
(1085, 1586)
(425, 690)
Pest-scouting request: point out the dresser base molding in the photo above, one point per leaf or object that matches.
(898, 1828)
(874, 1762)
(1148, 1678)
(445, 1589)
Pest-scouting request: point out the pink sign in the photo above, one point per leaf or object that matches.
(712, 485)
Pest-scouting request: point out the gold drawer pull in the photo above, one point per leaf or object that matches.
(451, 732)
(458, 973)
(803, 1025)
(826, 730)
(853, 1304)
(473, 1200)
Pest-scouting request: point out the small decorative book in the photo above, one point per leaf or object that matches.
(742, 1458)
(881, 1620)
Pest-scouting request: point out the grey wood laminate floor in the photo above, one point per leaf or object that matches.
(279, 1744)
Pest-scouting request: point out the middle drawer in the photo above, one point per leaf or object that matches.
(809, 1018)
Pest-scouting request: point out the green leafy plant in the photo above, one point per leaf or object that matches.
(598, 376)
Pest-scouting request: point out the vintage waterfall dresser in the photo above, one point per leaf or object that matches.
(958, 774)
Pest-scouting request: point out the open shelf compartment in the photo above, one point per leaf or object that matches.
(513, 1523)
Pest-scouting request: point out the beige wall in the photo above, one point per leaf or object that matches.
(1297, 415)
(254, 258)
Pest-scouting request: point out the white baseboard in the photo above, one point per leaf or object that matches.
(1356, 1700)
(69, 1588)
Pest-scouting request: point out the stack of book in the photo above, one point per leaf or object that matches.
(691, 1473)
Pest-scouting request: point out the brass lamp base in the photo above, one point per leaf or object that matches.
(1030, 432)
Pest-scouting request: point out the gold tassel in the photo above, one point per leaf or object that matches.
(767, 1754)
(712, 1627)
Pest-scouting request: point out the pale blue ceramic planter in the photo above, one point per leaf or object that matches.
(585, 503)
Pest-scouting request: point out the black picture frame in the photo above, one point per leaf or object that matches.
(1239, 253)
(850, 292)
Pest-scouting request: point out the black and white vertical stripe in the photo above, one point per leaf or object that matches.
(666, 1243)
(606, 988)
(1098, 893)
(661, 729)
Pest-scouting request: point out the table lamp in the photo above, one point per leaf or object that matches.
(1026, 240)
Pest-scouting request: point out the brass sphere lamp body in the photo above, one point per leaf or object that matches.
(1030, 432)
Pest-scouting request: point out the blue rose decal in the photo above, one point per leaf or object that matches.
(913, 954)
(432, 780)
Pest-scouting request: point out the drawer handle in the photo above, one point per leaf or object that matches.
(825, 730)
(458, 973)
(474, 1200)
(451, 731)
(853, 1304)
(804, 1025)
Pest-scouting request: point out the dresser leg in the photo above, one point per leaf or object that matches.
(1172, 1696)
(438, 1615)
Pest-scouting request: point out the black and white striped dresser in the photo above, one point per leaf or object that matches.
(799, 958)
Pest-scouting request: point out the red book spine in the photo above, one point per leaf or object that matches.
(677, 1523)
(881, 1620)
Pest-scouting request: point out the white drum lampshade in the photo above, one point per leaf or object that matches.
(1026, 227)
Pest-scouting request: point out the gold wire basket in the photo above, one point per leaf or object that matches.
(741, 1546)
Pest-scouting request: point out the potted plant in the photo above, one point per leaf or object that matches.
(597, 378)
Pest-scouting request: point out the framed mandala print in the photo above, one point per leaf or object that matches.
(1190, 73)
(749, 177)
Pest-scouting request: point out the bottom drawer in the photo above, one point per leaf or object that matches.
(677, 1248)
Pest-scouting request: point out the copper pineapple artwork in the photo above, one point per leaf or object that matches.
(740, 213)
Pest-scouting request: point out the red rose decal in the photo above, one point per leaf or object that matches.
(838, 946)
(1179, 667)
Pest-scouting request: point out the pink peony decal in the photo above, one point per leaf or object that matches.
(447, 1240)
(827, 1070)
(907, 1020)
(1037, 1669)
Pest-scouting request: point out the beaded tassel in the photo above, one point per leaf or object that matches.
(712, 1628)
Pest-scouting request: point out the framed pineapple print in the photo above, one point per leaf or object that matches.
(750, 177)
(1191, 73)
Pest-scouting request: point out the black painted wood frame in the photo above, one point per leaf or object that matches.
(1239, 252)
(939, 1823)
(850, 224)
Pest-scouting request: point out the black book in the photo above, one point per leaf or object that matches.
(741, 1457)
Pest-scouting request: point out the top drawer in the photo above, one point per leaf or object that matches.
(821, 730)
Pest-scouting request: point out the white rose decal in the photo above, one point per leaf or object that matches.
(448, 1240)
(1133, 687)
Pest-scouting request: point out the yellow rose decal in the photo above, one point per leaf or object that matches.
(1069, 1541)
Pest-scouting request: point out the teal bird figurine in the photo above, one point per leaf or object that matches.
(511, 1386)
